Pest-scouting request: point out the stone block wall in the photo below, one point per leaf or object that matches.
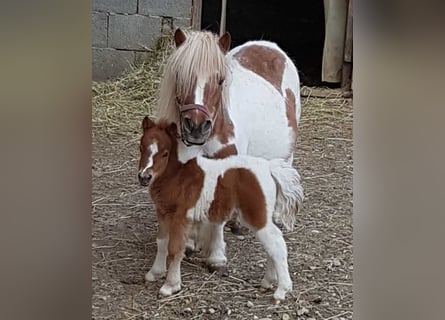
(123, 30)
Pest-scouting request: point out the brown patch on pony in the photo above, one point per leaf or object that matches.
(223, 127)
(291, 110)
(227, 151)
(239, 188)
(265, 62)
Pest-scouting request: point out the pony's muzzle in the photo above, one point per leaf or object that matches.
(144, 179)
(196, 133)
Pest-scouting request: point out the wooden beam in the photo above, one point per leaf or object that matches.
(196, 14)
(346, 80)
(222, 27)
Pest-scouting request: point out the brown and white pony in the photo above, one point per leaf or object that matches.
(207, 191)
(242, 101)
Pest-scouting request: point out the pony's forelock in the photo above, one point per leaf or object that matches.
(199, 55)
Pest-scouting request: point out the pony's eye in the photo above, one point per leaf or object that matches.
(221, 81)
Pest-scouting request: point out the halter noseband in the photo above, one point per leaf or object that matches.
(198, 107)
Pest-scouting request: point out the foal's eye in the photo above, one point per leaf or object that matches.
(165, 154)
(221, 81)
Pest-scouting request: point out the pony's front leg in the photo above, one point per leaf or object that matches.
(214, 247)
(176, 248)
(160, 264)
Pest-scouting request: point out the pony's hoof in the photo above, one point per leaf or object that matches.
(221, 271)
(264, 290)
(239, 230)
(151, 276)
(167, 290)
(276, 301)
(189, 252)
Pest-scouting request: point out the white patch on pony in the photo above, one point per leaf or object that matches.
(199, 92)
(153, 150)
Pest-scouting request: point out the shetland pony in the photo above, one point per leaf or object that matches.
(242, 101)
(207, 191)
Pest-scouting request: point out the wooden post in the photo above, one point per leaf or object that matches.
(222, 27)
(346, 81)
(196, 14)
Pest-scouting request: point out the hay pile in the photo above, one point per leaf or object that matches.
(118, 105)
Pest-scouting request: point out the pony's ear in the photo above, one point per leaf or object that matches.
(179, 37)
(224, 42)
(172, 130)
(147, 123)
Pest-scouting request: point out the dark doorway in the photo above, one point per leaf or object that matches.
(296, 26)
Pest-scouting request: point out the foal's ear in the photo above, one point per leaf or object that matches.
(224, 42)
(147, 123)
(179, 37)
(172, 130)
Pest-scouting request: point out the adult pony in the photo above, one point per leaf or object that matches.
(242, 101)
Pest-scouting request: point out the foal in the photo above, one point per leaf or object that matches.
(207, 191)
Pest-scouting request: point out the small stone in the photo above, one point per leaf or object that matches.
(229, 312)
(187, 310)
(240, 237)
(285, 316)
(302, 311)
(250, 304)
(255, 317)
(315, 231)
(261, 265)
(336, 262)
(211, 310)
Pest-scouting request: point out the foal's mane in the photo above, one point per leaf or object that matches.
(199, 55)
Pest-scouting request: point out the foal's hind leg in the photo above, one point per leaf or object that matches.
(272, 239)
(270, 277)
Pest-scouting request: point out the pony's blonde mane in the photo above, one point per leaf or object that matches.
(199, 55)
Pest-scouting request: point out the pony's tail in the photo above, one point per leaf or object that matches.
(289, 192)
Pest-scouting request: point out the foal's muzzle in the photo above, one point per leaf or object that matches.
(144, 180)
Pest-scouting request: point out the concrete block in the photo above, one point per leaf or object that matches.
(100, 29)
(110, 63)
(166, 8)
(133, 32)
(181, 23)
(116, 6)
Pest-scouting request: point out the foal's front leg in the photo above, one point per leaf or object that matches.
(160, 264)
(178, 231)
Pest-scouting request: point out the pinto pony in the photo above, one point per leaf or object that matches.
(207, 191)
(225, 102)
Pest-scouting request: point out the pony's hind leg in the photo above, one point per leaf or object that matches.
(213, 247)
(272, 239)
(160, 264)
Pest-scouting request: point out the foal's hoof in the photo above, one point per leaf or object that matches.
(264, 290)
(221, 271)
(276, 302)
(168, 290)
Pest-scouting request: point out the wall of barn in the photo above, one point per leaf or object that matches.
(124, 30)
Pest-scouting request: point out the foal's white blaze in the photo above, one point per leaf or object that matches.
(153, 150)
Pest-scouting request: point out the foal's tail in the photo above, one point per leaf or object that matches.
(289, 192)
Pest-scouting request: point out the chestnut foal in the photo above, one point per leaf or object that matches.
(207, 191)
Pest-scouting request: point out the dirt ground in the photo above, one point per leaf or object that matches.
(320, 248)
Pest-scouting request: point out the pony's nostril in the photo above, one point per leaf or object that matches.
(206, 126)
(188, 124)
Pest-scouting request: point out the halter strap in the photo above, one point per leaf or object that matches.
(198, 107)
